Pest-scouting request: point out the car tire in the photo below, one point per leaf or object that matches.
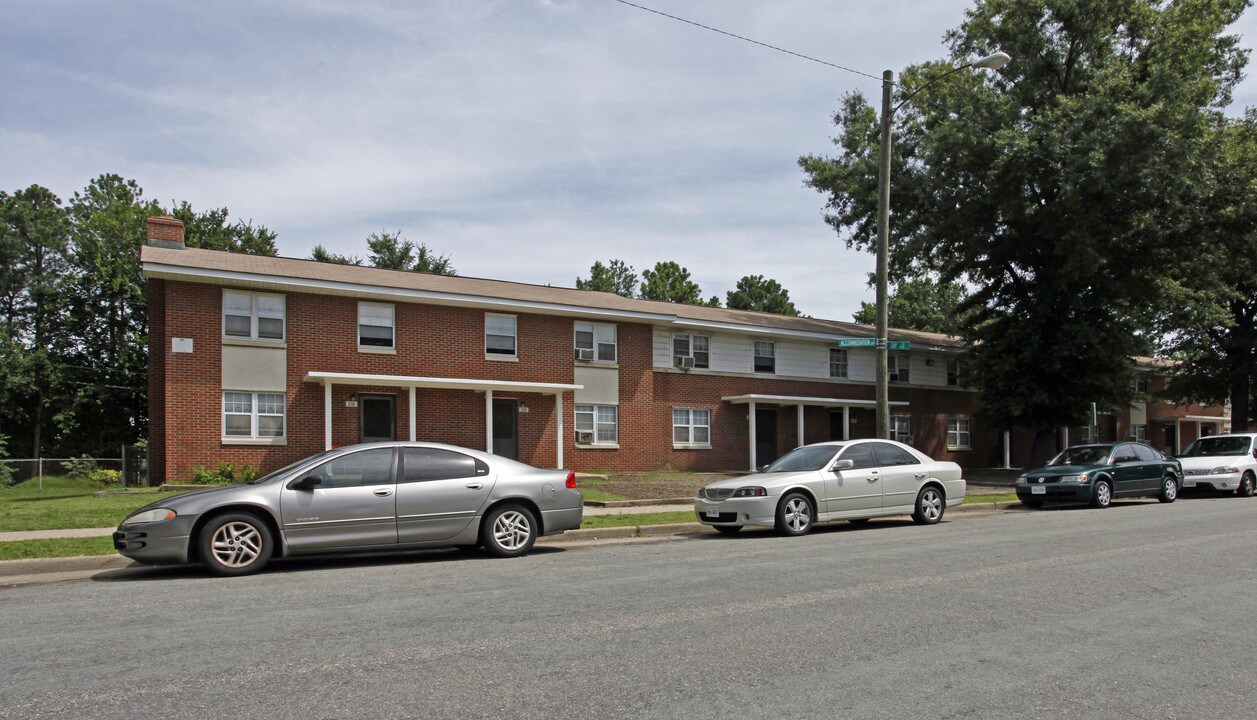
(1102, 494)
(1246, 485)
(238, 543)
(728, 529)
(508, 531)
(1032, 504)
(1169, 489)
(795, 514)
(930, 506)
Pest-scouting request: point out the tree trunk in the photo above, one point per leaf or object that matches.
(1239, 402)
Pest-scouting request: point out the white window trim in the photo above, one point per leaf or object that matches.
(514, 336)
(593, 331)
(252, 438)
(1139, 436)
(689, 342)
(894, 429)
(947, 369)
(968, 432)
(846, 363)
(691, 445)
(594, 411)
(906, 364)
(773, 344)
(378, 349)
(253, 317)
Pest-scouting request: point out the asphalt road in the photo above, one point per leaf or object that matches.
(1138, 611)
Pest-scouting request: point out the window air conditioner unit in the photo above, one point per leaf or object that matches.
(683, 361)
(585, 437)
(584, 354)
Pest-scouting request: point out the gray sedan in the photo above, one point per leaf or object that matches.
(372, 497)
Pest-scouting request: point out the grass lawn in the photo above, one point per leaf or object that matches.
(65, 503)
(61, 547)
(991, 498)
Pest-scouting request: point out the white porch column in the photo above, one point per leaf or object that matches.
(846, 422)
(412, 413)
(1064, 437)
(488, 421)
(751, 416)
(558, 413)
(800, 422)
(327, 416)
(1008, 464)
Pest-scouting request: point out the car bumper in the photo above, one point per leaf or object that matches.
(737, 511)
(1055, 492)
(160, 543)
(554, 522)
(1229, 481)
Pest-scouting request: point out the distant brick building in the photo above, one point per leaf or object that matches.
(265, 360)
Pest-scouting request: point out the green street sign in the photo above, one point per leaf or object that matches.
(856, 342)
(898, 345)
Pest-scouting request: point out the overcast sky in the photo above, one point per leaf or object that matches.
(524, 138)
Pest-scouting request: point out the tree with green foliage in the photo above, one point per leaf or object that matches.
(322, 254)
(1210, 323)
(1056, 186)
(756, 292)
(211, 230)
(921, 303)
(615, 277)
(393, 252)
(669, 282)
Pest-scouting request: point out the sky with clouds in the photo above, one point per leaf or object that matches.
(524, 138)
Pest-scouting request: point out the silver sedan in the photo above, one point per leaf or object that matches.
(850, 480)
(371, 497)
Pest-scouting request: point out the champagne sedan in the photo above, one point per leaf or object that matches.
(849, 480)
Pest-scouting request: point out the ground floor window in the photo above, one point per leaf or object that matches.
(1139, 433)
(597, 425)
(958, 437)
(253, 415)
(901, 428)
(691, 426)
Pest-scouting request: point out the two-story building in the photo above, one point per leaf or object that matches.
(266, 360)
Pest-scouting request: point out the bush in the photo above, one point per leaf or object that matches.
(105, 478)
(80, 468)
(225, 474)
(6, 475)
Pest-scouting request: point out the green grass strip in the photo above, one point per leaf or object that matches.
(60, 547)
(631, 520)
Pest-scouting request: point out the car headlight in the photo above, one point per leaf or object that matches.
(750, 492)
(1074, 478)
(1224, 471)
(148, 516)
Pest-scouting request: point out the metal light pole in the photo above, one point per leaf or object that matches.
(994, 62)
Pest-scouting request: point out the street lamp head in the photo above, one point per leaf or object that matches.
(994, 61)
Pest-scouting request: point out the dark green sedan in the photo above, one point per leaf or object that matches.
(1096, 474)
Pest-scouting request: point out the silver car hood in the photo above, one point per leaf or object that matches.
(764, 480)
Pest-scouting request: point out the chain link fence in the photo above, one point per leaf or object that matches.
(132, 466)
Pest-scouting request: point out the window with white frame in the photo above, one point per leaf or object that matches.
(837, 363)
(595, 341)
(253, 315)
(765, 357)
(1139, 383)
(697, 347)
(958, 433)
(901, 428)
(500, 335)
(897, 367)
(1084, 433)
(1139, 433)
(953, 371)
(375, 325)
(597, 425)
(691, 426)
(253, 414)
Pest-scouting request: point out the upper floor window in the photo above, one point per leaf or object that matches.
(691, 426)
(500, 335)
(253, 315)
(375, 325)
(837, 363)
(1139, 383)
(765, 356)
(897, 367)
(901, 428)
(953, 371)
(958, 436)
(695, 347)
(253, 415)
(1139, 433)
(595, 341)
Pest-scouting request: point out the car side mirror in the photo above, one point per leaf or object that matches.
(309, 482)
(761, 468)
(843, 465)
(1255, 452)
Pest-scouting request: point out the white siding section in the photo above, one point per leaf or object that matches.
(662, 347)
(732, 353)
(923, 374)
(862, 365)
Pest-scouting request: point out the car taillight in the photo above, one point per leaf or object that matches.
(571, 479)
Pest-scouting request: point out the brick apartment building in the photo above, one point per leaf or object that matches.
(265, 360)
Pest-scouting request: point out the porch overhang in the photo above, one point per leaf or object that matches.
(799, 402)
(411, 383)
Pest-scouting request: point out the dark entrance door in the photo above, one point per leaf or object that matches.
(835, 426)
(376, 418)
(765, 436)
(505, 429)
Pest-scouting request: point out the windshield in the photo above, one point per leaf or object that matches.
(287, 468)
(804, 458)
(1083, 455)
(1210, 446)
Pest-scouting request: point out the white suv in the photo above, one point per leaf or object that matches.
(1222, 462)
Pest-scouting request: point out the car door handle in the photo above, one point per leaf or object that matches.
(918, 476)
(872, 478)
(382, 492)
(474, 486)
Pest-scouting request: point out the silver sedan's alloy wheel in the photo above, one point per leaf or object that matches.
(930, 506)
(794, 516)
(237, 544)
(509, 531)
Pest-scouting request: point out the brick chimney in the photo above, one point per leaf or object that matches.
(165, 232)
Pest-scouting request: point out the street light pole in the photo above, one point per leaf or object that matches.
(994, 62)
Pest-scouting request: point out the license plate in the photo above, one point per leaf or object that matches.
(713, 512)
(1038, 490)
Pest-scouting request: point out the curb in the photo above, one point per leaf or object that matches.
(638, 503)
